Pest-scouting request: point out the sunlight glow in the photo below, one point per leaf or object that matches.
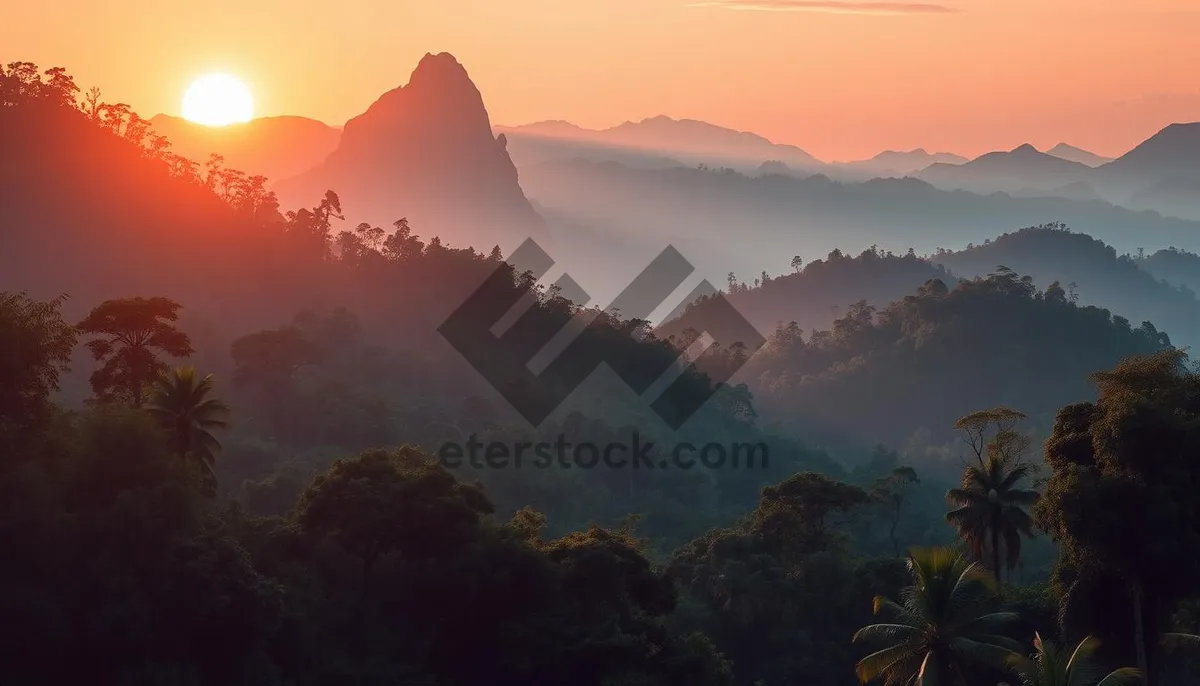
(218, 100)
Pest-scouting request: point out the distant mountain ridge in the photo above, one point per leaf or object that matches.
(1172, 152)
(690, 139)
(276, 147)
(904, 162)
(1160, 174)
(1074, 154)
(776, 216)
(1016, 169)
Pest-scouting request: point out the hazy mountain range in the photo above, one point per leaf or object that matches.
(1161, 174)
(732, 201)
(687, 140)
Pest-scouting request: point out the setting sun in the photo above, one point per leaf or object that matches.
(218, 100)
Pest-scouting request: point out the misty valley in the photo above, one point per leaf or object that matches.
(236, 353)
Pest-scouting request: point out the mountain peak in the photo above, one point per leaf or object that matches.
(1025, 149)
(1077, 154)
(439, 68)
(1064, 147)
(417, 152)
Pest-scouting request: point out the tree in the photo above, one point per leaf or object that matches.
(944, 631)
(797, 263)
(892, 492)
(181, 405)
(994, 430)
(270, 360)
(314, 227)
(402, 245)
(779, 595)
(1121, 502)
(129, 335)
(801, 514)
(989, 508)
(990, 513)
(381, 502)
(1050, 666)
(35, 347)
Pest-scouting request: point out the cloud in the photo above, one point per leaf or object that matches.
(828, 6)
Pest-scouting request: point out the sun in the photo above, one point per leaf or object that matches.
(218, 100)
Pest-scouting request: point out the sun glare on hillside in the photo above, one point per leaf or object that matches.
(218, 100)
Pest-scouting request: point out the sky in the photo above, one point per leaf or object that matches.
(843, 79)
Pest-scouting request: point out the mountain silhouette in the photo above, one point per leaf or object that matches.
(276, 147)
(772, 167)
(1172, 152)
(688, 140)
(1020, 168)
(425, 151)
(1074, 154)
(896, 162)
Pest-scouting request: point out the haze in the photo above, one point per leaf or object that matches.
(843, 80)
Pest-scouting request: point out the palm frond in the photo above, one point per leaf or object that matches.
(883, 662)
(886, 632)
(1125, 676)
(979, 652)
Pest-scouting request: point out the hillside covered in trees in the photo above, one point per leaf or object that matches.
(909, 368)
(1093, 273)
(1178, 267)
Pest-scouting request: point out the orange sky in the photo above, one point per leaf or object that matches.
(840, 78)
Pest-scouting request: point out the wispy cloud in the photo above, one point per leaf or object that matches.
(827, 6)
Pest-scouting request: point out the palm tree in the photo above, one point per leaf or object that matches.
(944, 629)
(181, 405)
(990, 512)
(1050, 666)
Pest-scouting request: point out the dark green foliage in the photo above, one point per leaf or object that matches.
(1122, 506)
(946, 631)
(778, 593)
(1092, 273)
(35, 347)
(181, 404)
(108, 551)
(392, 559)
(921, 360)
(818, 294)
